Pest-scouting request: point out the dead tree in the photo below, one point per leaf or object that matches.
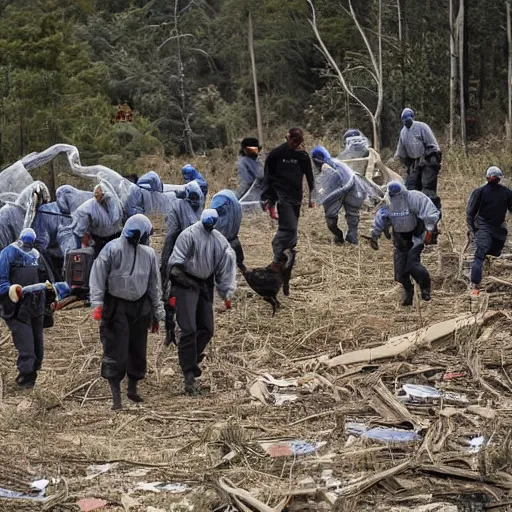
(453, 74)
(509, 74)
(462, 101)
(255, 82)
(375, 73)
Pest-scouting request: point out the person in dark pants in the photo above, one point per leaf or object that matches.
(126, 294)
(419, 151)
(202, 258)
(285, 168)
(485, 215)
(23, 303)
(413, 217)
(182, 214)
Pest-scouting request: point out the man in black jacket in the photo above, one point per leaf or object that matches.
(485, 214)
(285, 168)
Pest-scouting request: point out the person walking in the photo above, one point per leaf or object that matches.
(126, 297)
(413, 217)
(201, 260)
(485, 214)
(22, 304)
(419, 151)
(285, 168)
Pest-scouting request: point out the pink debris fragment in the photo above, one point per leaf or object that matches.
(90, 504)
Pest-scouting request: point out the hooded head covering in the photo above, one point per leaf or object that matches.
(209, 218)
(28, 238)
(407, 113)
(352, 132)
(137, 229)
(407, 117)
(151, 182)
(394, 188)
(190, 173)
(320, 155)
(230, 213)
(194, 194)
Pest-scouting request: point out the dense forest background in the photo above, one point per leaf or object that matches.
(184, 68)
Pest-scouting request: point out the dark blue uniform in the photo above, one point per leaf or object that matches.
(20, 265)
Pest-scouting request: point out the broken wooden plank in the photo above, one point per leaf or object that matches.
(363, 485)
(411, 341)
(465, 474)
(388, 407)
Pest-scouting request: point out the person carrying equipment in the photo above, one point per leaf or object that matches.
(485, 215)
(413, 217)
(201, 259)
(22, 304)
(339, 186)
(52, 218)
(126, 297)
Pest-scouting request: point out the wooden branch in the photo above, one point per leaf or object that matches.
(335, 66)
(411, 341)
(241, 494)
(358, 487)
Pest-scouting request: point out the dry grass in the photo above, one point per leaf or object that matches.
(342, 299)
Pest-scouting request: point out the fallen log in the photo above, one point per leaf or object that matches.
(411, 341)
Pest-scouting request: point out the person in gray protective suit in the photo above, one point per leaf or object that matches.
(201, 260)
(182, 214)
(126, 294)
(413, 217)
(100, 217)
(339, 186)
(52, 219)
(22, 304)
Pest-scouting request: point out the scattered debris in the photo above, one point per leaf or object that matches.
(37, 488)
(159, 486)
(98, 469)
(286, 448)
(454, 375)
(266, 388)
(90, 504)
(410, 342)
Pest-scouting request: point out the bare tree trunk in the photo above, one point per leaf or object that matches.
(509, 75)
(460, 23)
(453, 74)
(380, 86)
(377, 68)
(255, 82)
(336, 68)
(187, 129)
(402, 49)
